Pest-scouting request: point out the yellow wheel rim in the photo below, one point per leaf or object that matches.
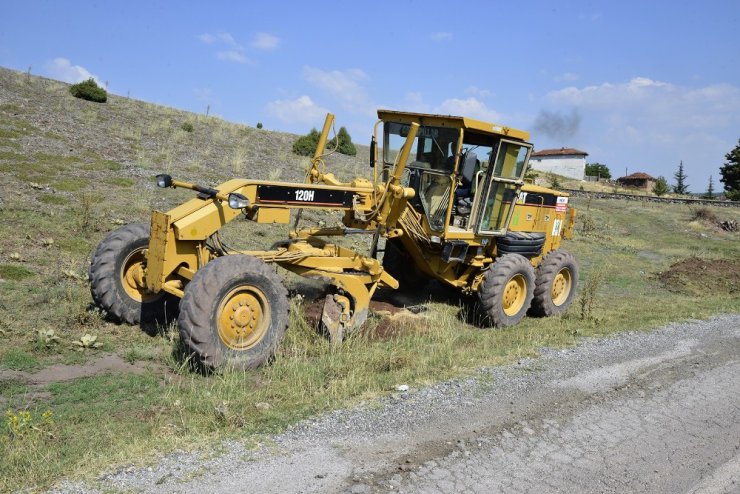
(561, 286)
(515, 293)
(243, 318)
(132, 278)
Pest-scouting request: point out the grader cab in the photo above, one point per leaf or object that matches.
(447, 201)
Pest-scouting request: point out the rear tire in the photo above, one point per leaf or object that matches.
(400, 265)
(116, 279)
(234, 313)
(507, 290)
(555, 284)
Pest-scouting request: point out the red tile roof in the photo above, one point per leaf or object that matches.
(559, 152)
(637, 176)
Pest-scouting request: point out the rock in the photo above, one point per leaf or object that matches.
(402, 387)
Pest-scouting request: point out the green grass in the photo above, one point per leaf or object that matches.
(18, 360)
(14, 272)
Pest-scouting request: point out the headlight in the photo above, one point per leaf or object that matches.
(237, 201)
(164, 181)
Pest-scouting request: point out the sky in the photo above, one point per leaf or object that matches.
(638, 85)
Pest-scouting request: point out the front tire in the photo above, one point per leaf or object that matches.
(507, 290)
(234, 313)
(555, 284)
(116, 276)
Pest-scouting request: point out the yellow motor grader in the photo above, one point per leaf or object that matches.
(447, 201)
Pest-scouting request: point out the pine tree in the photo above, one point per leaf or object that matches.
(730, 172)
(681, 186)
(661, 187)
(710, 189)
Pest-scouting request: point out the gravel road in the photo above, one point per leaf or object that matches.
(638, 412)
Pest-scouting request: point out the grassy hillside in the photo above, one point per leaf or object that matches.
(73, 170)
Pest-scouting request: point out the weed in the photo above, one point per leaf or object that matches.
(87, 220)
(187, 127)
(590, 289)
(587, 223)
(87, 342)
(45, 339)
(704, 214)
(24, 423)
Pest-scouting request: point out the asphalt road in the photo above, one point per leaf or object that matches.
(640, 412)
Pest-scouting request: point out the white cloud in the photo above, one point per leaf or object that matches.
(656, 103)
(299, 110)
(343, 85)
(653, 124)
(476, 91)
(62, 69)
(441, 36)
(265, 41)
(232, 56)
(469, 107)
(233, 52)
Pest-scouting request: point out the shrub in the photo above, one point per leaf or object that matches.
(661, 187)
(187, 127)
(598, 170)
(306, 145)
(345, 143)
(89, 90)
(259, 125)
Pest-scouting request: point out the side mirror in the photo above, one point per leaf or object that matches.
(373, 145)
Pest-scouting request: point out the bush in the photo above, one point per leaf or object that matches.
(345, 143)
(554, 181)
(306, 145)
(661, 187)
(598, 170)
(259, 125)
(187, 127)
(89, 90)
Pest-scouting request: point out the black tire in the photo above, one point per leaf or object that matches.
(111, 280)
(400, 265)
(555, 284)
(214, 298)
(507, 290)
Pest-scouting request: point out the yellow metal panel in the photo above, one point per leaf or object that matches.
(273, 215)
(200, 224)
(453, 121)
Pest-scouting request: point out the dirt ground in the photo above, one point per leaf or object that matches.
(695, 275)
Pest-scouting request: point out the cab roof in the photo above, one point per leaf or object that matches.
(454, 122)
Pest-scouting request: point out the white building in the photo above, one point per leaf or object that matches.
(567, 162)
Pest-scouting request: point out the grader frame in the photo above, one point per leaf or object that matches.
(430, 230)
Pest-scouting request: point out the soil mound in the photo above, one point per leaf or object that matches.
(695, 275)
